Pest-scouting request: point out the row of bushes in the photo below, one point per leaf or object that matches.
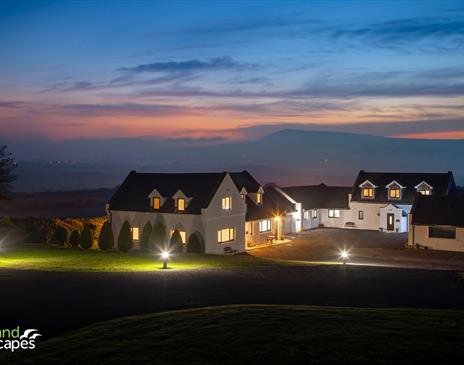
(151, 238)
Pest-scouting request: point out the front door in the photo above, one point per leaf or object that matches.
(390, 222)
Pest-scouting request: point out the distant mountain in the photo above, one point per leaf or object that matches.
(286, 157)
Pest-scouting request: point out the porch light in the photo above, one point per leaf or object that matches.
(165, 258)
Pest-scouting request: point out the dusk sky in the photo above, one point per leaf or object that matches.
(74, 69)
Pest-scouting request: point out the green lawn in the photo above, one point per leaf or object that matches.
(55, 258)
(261, 334)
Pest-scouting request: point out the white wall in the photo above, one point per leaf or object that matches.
(311, 223)
(215, 218)
(421, 236)
(345, 216)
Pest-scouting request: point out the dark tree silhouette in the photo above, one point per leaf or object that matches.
(7, 164)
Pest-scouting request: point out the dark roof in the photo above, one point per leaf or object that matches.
(245, 180)
(442, 183)
(438, 210)
(274, 203)
(133, 194)
(320, 196)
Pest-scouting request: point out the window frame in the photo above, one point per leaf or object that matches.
(183, 204)
(313, 213)
(369, 196)
(268, 225)
(361, 215)
(259, 198)
(158, 199)
(394, 197)
(135, 231)
(226, 203)
(306, 215)
(335, 213)
(229, 230)
(443, 232)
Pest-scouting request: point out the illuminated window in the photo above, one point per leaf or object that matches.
(227, 203)
(367, 192)
(156, 202)
(259, 198)
(314, 213)
(242, 196)
(361, 215)
(334, 213)
(394, 193)
(265, 225)
(180, 204)
(183, 235)
(306, 214)
(135, 233)
(226, 235)
(425, 192)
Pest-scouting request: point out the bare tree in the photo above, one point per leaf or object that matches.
(7, 164)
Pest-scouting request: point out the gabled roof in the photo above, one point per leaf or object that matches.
(245, 180)
(442, 183)
(274, 203)
(438, 210)
(133, 194)
(320, 196)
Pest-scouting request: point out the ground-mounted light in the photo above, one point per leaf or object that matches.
(344, 255)
(165, 258)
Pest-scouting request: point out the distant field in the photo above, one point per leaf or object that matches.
(252, 334)
(55, 258)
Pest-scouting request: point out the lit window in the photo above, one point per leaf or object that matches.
(156, 202)
(306, 214)
(314, 214)
(265, 225)
(227, 203)
(242, 196)
(226, 235)
(394, 193)
(334, 213)
(135, 233)
(361, 215)
(259, 198)
(425, 192)
(180, 204)
(367, 192)
(183, 235)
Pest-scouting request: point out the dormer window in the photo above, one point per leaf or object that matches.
(227, 203)
(156, 202)
(367, 192)
(243, 196)
(424, 188)
(180, 204)
(259, 198)
(394, 193)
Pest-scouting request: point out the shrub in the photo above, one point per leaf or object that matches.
(86, 237)
(175, 245)
(75, 238)
(195, 244)
(125, 237)
(157, 238)
(144, 238)
(106, 238)
(60, 236)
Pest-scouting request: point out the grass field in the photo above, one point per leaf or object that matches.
(55, 258)
(261, 334)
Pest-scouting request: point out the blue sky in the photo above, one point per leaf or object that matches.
(73, 69)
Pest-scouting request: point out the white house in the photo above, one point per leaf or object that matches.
(376, 201)
(227, 211)
(437, 223)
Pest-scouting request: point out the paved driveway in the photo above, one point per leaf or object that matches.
(365, 247)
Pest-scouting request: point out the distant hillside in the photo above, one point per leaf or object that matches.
(287, 157)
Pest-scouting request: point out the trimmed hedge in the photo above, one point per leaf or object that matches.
(75, 238)
(106, 238)
(195, 244)
(60, 236)
(157, 238)
(87, 237)
(144, 238)
(125, 242)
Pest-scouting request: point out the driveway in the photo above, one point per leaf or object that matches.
(365, 247)
(54, 302)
